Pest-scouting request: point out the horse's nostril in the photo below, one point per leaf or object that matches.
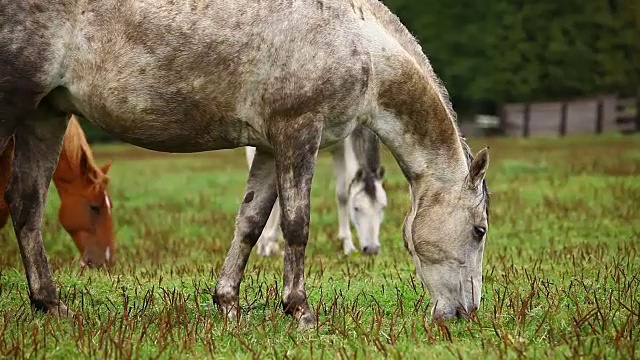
(89, 263)
(461, 313)
(371, 250)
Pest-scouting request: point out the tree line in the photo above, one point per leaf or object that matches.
(495, 51)
(488, 52)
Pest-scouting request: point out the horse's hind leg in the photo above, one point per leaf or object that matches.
(267, 244)
(260, 195)
(38, 140)
(296, 146)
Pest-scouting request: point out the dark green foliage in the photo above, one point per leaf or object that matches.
(488, 52)
(94, 133)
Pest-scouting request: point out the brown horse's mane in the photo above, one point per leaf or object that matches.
(78, 157)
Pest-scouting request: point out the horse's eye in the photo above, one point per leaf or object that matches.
(479, 231)
(95, 209)
(357, 209)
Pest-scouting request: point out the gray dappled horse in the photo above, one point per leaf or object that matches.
(359, 193)
(206, 75)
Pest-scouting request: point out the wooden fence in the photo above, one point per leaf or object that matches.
(579, 116)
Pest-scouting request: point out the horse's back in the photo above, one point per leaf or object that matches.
(155, 74)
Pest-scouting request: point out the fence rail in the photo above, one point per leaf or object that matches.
(596, 114)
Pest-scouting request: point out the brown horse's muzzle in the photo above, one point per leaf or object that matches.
(95, 254)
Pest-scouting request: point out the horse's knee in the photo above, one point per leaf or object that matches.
(296, 230)
(250, 228)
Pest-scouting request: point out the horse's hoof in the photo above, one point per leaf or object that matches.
(349, 248)
(231, 314)
(227, 305)
(307, 322)
(61, 311)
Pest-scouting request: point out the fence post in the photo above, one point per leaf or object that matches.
(599, 116)
(527, 120)
(563, 119)
(503, 120)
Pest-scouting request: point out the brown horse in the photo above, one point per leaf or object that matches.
(85, 205)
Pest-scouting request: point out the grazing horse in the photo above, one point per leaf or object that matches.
(356, 165)
(85, 205)
(287, 77)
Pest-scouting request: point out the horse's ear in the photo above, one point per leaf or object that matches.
(64, 172)
(479, 166)
(380, 172)
(105, 168)
(83, 165)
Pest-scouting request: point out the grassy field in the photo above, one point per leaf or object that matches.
(561, 266)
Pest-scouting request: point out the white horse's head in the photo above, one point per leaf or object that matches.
(367, 201)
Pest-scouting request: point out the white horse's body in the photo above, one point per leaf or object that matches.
(364, 208)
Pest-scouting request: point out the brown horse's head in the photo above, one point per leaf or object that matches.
(85, 204)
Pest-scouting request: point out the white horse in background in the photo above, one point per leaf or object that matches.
(359, 194)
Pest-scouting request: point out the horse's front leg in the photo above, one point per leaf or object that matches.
(296, 142)
(259, 197)
(38, 140)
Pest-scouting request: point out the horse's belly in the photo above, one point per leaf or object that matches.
(169, 127)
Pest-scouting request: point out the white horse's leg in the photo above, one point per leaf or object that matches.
(342, 197)
(268, 243)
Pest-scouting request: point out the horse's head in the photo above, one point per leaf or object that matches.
(445, 234)
(85, 213)
(85, 204)
(367, 200)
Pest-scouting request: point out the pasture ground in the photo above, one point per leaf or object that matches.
(561, 266)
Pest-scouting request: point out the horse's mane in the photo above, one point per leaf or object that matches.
(75, 147)
(409, 43)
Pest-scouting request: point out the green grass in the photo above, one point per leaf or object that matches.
(561, 266)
